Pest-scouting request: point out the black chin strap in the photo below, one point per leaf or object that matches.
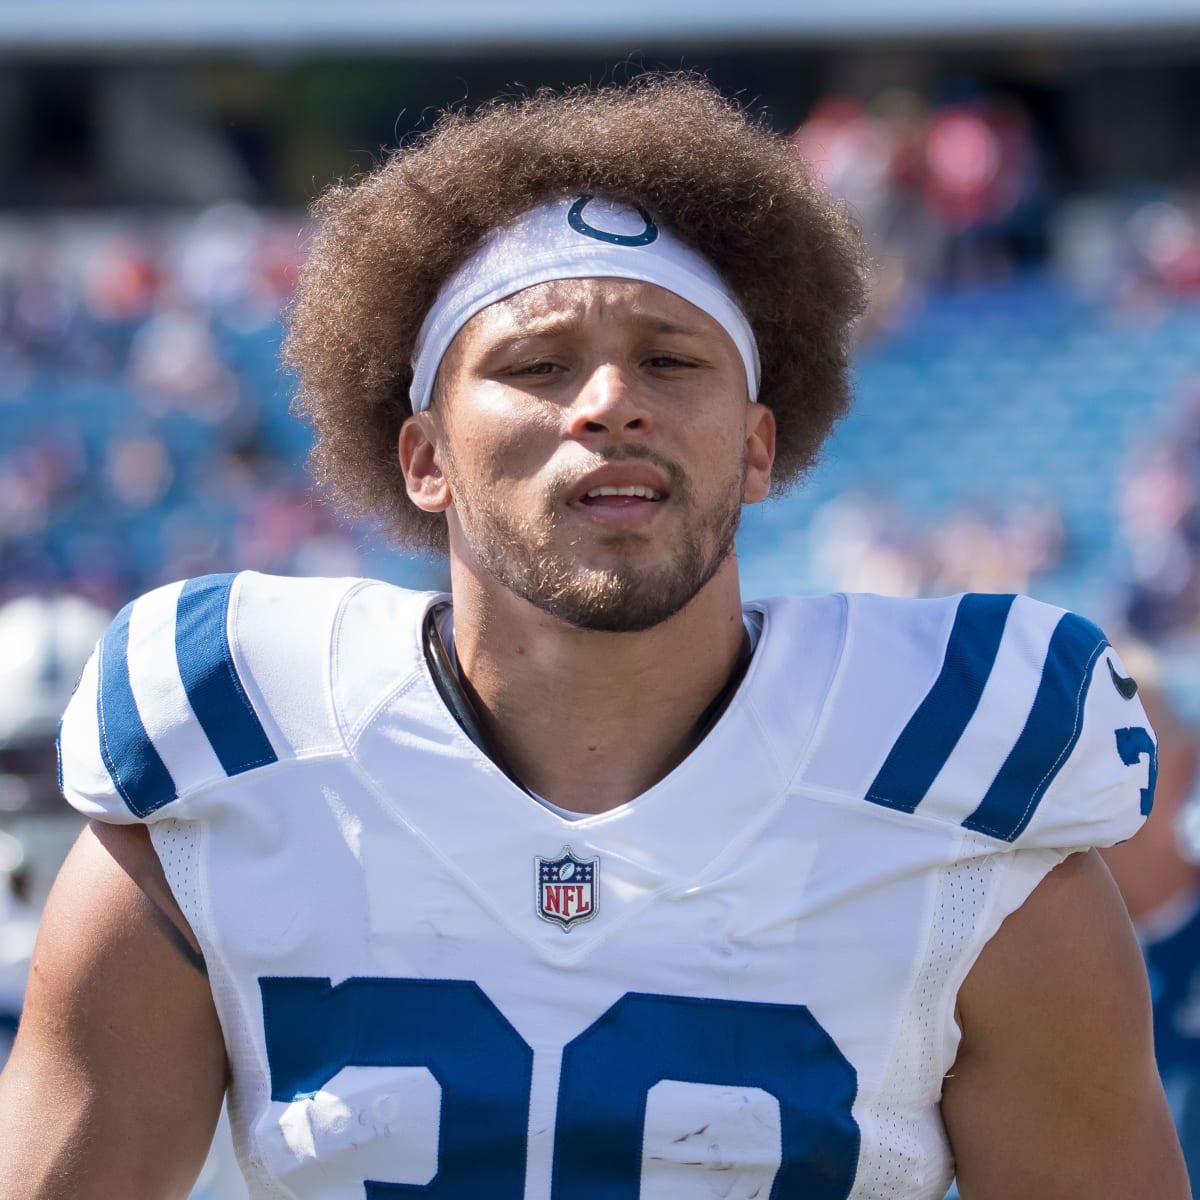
(454, 695)
(720, 702)
(462, 708)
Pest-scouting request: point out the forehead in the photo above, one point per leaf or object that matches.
(563, 305)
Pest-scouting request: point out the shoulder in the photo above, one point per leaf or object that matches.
(1011, 718)
(200, 681)
(1062, 1067)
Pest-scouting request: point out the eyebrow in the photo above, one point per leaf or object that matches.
(557, 326)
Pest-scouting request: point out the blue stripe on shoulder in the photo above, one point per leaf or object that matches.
(932, 732)
(210, 678)
(1051, 730)
(133, 764)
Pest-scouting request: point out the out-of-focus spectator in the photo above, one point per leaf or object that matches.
(18, 922)
(1135, 252)
(864, 543)
(1159, 878)
(144, 431)
(859, 542)
(1159, 513)
(951, 191)
(44, 642)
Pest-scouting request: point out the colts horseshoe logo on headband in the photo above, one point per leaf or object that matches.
(577, 223)
(540, 246)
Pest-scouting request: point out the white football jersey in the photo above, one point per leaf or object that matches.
(741, 983)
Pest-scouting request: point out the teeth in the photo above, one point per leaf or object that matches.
(643, 493)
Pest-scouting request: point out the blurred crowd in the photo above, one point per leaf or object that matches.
(144, 425)
(1160, 522)
(964, 193)
(865, 543)
(144, 417)
(966, 190)
(957, 191)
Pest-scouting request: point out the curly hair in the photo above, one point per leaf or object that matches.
(724, 182)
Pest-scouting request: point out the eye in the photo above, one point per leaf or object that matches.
(536, 368)
(667, 361)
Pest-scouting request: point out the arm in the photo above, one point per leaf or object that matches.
(1055, 1094)
(116, 1079)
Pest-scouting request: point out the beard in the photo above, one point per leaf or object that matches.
(622, 597)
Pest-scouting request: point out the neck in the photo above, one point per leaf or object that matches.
(590, 720)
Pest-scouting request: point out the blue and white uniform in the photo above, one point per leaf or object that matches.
(740, 983)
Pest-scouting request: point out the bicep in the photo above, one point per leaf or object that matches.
(116, 1078)
(1055, 1093)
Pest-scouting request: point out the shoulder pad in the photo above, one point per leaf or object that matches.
(171, 701)
(1017, 722)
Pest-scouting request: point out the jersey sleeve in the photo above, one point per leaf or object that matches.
(1012, 719)
(1083, 770)
(1066, 755)
(161, 709)
(171, 703)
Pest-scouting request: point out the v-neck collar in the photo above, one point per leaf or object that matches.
(443, 668)
(488, 831)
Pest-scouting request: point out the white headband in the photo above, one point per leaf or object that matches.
(579, 237)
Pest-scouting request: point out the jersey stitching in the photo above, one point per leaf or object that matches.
(333, 661)
(106, 751)
(350, 734)
(897, 816)
(235, 603)
(949, 620)
(833, 684)
(335, 637)
(1036, 795)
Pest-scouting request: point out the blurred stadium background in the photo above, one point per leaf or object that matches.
(1028, 379)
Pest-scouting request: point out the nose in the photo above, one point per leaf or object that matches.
(608, 402)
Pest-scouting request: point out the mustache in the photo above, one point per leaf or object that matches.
(567, 480)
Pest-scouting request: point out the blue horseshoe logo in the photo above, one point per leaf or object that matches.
(577, 223)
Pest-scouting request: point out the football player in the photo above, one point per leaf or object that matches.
(587, 879)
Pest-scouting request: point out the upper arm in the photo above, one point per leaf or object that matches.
(116, 1078)
(1055, 1094)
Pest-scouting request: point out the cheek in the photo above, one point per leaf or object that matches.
(500, 445)
(721, 446)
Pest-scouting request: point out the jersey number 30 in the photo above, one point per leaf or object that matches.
(484, 1069)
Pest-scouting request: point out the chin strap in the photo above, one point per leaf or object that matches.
(454, 695)
(720, 702)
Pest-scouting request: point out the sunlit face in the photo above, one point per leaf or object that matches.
(592, 448)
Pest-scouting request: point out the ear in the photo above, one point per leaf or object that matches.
(760, 452)
(427, 486)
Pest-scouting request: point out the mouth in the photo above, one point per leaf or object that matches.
(626, 493)
(619, 504)
(625, 482)
(609, 494)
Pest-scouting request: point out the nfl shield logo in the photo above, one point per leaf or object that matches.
(567, 889)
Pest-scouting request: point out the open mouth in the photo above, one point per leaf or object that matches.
(630, 493)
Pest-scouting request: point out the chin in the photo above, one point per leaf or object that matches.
(628, 601)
